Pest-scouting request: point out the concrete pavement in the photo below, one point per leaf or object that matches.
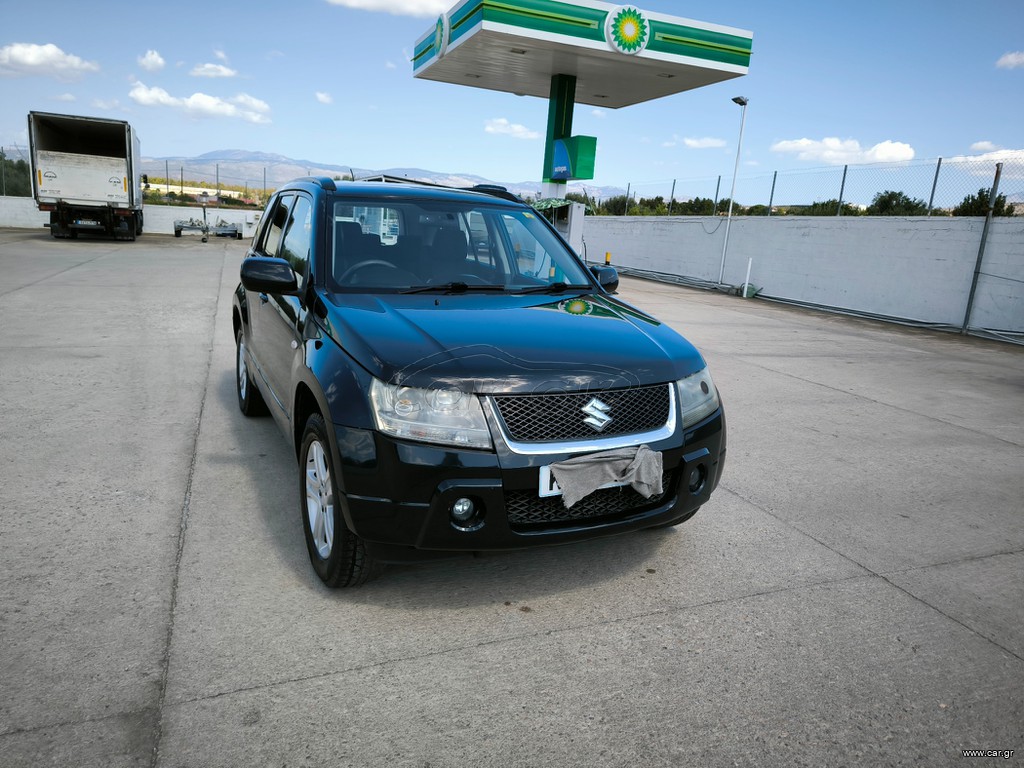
(853, 594)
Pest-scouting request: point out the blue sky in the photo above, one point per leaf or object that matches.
(330, 81)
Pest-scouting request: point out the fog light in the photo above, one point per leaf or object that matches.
(697, 477)
(463, 510)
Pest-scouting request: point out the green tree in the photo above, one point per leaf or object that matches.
(823, 208)
(614, 206)
(697, 206)
(652, 206)
(977, 205)
(891, 203)
(17, 179)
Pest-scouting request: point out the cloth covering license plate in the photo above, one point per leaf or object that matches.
(548, 486)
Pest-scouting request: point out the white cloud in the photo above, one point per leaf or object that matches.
(983, 166)
(107, 105)
(243, 106)
(212, 70)
(251, 103)
(221, 56)
(426, 8)
(502, 126)
(46, 60)
(324, 98)
(1012, 60)
(600, 114)
(983, 146)
(66, 97)
(705, 143)
(390, 65)
(845, 151)
(152, 61)
(989, 159)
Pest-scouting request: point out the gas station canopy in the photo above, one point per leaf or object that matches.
(619, 54)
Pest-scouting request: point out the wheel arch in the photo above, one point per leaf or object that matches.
(306, 404)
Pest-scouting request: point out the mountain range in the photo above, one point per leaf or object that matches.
(258, 169)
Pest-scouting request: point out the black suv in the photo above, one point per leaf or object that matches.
(445, 366)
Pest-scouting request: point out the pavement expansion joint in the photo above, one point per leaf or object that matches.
(165, 661)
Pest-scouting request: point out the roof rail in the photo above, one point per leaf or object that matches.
(324, 182)
(496, 191)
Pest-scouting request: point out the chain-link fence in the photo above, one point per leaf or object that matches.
(933, 187)
(926, 187)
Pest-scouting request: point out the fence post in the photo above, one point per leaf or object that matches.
(771, 197)
(842, 191)
(672, 197)
(629, 186)
(935, 183)
(714, 211)
(3, 172)
(981, 248)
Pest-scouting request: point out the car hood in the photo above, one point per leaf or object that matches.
(489, 343)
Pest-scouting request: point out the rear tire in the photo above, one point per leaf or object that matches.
(250, 401)
(338, 556)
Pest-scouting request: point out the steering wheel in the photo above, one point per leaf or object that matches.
(362, 265)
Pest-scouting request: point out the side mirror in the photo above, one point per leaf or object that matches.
(261, 274)
(607, 277)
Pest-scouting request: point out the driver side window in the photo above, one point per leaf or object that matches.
(278, 220)
(298, 238)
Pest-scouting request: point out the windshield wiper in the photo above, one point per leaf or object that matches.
(452, 287)
(553, 288)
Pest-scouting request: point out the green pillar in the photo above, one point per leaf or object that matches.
(560, 108)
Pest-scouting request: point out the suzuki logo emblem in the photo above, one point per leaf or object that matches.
(597, 414)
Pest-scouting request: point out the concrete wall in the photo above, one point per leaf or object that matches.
(158, 219)
(916, 268)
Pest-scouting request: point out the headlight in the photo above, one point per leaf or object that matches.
(698, 397)
(445, 416)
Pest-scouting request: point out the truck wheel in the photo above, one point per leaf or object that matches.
(338, 556)
(138, 223)
(177, 233)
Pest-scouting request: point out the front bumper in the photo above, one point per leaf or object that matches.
(397, 496)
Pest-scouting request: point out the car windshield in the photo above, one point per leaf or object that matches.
(425, 245)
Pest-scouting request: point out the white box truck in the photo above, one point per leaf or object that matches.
(85, 172)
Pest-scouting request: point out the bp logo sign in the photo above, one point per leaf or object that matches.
(442, 32)
(627, 30)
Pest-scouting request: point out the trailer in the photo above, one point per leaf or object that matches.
(85, 172)
(220, 229)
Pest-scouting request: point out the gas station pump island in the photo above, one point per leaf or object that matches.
(570, 51)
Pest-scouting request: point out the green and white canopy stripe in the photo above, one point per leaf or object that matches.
(517, 45)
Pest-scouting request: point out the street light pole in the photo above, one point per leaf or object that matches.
(742, 101)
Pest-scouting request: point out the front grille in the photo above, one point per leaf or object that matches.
(527, 510)
(560, 417)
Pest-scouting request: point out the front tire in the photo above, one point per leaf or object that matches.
(338, 556)
(250, 401)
